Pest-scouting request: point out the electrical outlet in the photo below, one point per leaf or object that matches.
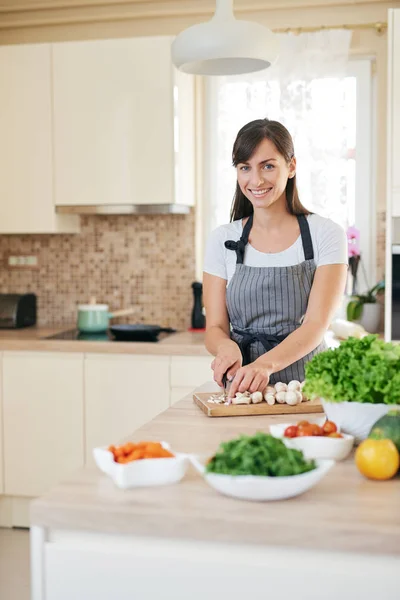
(17, 261)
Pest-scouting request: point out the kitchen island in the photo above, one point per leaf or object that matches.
(91, 540)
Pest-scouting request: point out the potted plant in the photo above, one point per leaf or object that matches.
(365, 309)
(358, 382)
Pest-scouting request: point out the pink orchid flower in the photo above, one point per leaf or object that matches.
(353, 241)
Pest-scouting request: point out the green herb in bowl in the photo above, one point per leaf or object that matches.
(260, 454)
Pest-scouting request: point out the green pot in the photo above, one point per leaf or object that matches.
(94, 318)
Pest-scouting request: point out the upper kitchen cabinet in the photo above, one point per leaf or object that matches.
(124, 124)
(394, 112)
(26, 159)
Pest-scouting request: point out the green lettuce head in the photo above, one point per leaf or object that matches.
(360, 370)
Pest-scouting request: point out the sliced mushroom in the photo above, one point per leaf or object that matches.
(241, 399)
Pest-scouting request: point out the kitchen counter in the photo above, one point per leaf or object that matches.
(347, 512)
(344, 534)
(185, 343)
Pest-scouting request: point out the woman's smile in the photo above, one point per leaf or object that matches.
(260, 193)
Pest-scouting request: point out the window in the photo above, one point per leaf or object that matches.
(330, 120)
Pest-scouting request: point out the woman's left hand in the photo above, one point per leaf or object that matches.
(251, 378)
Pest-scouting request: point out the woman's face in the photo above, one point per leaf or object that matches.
(264, 177)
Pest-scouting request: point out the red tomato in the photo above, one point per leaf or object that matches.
(316, 429)
(291, 431)
(334, 435)
(302, 423)
(329, 427)
(305, 431)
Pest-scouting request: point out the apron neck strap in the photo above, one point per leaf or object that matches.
(306, 237)
(246, 230)
(241, 244)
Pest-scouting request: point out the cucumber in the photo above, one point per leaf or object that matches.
(387, 428)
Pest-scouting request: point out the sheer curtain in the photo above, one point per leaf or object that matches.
(308, 91)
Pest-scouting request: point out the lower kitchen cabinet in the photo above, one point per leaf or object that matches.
(122, 393)
(43, 420)
(187, 373)
(177, 393)
(1, 438)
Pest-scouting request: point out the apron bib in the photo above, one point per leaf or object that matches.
(266, 304)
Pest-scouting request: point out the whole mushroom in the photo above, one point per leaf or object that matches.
(294, 385)
(280, 397)
(256, 397)
(270, 399)
(281, 387)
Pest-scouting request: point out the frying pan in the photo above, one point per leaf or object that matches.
(139, 333)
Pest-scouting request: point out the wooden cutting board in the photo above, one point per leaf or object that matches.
(243, 410)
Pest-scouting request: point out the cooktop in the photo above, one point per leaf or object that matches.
(107, 336)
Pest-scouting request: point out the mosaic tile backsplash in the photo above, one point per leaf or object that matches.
(138, 260)
(144, 261)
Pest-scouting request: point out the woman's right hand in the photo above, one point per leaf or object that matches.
(228, 360)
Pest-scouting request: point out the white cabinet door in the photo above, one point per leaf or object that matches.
(114, 122)
(26, 161)
(187, 373)
(190, 371)
(178, 393)
(1, 436)
(122, 393)
(43, 420)
(394, 110)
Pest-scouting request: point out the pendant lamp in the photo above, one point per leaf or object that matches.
(224, 45)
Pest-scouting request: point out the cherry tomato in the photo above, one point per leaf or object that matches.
(291, 431)
(335, 434)
(305, 431)
(316, 429)
(302, 423)
(329, 427)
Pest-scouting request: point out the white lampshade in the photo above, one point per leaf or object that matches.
(224, 45)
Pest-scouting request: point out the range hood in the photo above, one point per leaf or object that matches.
(124, 209)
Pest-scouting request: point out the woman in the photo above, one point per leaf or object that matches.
(275, 275)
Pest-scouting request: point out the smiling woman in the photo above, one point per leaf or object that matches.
(274, 276)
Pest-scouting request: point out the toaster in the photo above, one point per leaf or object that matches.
(17, 310)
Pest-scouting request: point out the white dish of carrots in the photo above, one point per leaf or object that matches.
(141, 464)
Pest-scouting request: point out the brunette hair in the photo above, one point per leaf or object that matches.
(247, 140)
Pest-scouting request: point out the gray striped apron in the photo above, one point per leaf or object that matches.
(266, 304)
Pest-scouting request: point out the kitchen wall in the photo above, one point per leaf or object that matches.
(137, 260)
(98, 19)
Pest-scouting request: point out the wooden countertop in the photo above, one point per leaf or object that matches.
(185, 343)
(344, 512)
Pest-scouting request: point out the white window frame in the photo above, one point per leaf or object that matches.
(365, 209)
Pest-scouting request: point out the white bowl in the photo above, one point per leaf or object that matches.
(316, 446)
(141, 473)
(355, 418)
(251, 487)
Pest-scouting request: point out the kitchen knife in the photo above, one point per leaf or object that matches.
(225, 384)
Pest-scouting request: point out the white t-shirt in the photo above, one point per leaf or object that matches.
(328, 238)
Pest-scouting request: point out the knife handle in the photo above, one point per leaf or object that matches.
(225, 380)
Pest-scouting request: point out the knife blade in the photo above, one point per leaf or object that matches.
(225, 384)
